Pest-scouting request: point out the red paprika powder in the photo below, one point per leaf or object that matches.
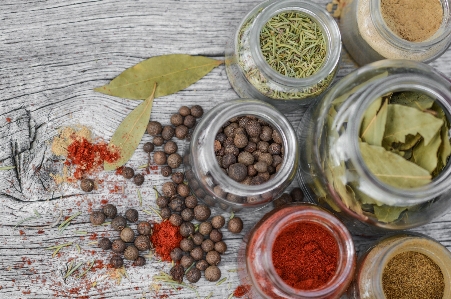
(305, 255)
(165, 238)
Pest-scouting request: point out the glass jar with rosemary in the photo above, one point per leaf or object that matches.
(284, 52)
(376, 148)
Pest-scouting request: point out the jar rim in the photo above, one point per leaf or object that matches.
(328, 26)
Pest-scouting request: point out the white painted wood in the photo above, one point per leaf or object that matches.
(52, 54)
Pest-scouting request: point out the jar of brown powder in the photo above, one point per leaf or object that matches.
(404, 29)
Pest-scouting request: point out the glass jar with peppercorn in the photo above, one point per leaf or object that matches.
(375, 150)
(287, 66)
(242, 154)
(298, 251)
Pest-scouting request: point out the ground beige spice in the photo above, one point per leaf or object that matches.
(412, 275)
(412, 20)
(66, 136)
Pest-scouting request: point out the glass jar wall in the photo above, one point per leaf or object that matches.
(252, 77)
(377, 187)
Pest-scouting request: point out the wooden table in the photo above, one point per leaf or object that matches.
(53, 53)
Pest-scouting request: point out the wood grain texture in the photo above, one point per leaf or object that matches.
(53, 53)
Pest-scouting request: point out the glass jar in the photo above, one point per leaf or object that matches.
(333, 172)
(209, 181)
(368, 281)
(259, 271)
(367, 37)
(252, 77)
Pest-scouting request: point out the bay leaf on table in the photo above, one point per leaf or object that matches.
(412, 99)
(172, 72)
(373, 123)
(403, 120)
(426, 156)
(130, 132)
(393, 169)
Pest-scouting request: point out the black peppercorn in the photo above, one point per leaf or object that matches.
(207, 245)
(197, 111)
(186, 229)
(205, 228)
(110, 211)
(177, 272)
(176, 254)
(190, 121)
(131, 253)
(237, 172)
(212, 273)
(297, 194)
(138, 179)
(142, 243)
(158, 140)
(186, 261)
(165, 213)
(170, 147)
(213, 258)
(202, 212)
(131, 215)
(275, 149)
(118, 246)
(97, 217)
(197, 253)
(240, 140)
(176, 119)
(266, 133)
(193, 275)
(198, 238)
(140, 261)
(227, 160)
(183, 190)
(144, 228)
(169, 189)
(217, 221)
(87, 185)
(221, 247)
(105, 243)
(116, 261)
(216, 235)
(177, 177)
(261, 166)
(186, 244)
(253, 128)
(246, 158)
(276, 137)
(154, 128)
(282, 200)
(128, 172)
(174, 160)
(166, 171)
(148, 147)
(184, 111)
(159, 157)
(162, 201)
(118, 223)
(181, 132)
(168, 132)
(127, 235)
(235, 225)
(187, 214)
(191, 202)
(176, 219)
(176, 203)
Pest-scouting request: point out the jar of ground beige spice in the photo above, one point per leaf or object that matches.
(404, 266)
(401, 29)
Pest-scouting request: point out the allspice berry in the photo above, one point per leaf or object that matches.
(131, 215)
(187, 214)
(176, 254)
(237, 172)
(142, 243)
(176, 219)
(186, 244)
(118, 246)
(217, 221)
(131, 253)
(189, 122)
(105, 243)
(197, 253)
(169, 189)
(212, 273)
(154, 128)
(183, 190)
(193, 275)
(191, 202)
(197, 111)
(168, 132)
(207, 245)
(205, 228)
(127, 235)
(109, 210)
(140, 261)
(158, 141)
(170, 147)
(176, 119)
(162, 201)
(116, 261)
(177, 177)
(184, 111)
(144, 228)
(174, 160)
(177, 272)
(213, 258)
(181, 132)
(128, 172)
(186, 261)
(138, 179)
(177, 204)
(118, 223)
(159, 157)
(166, 171)
(198, 238)
(202, 212)
(235, 225)
(165, 213)
(297, 194)
(202, 265)
(186, 229)
(97, 217)
(148, 147)
(221, 247)
(87, 185)
(216, 235)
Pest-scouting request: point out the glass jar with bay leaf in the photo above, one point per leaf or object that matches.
(284, 52)
(375, 150)
(385, 29)
(227, 186)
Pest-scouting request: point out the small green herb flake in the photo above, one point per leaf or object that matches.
(66, 223)
(143, 166)
(221, 281)
(209, 295)
(140, 198)
(72, 270)
(7, 167)
(230, 296)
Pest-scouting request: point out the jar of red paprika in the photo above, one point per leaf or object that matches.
(299, 251)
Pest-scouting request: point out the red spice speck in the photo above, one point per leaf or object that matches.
(93, 236)
(165, 238)
(120, 170)
(115, 189)
(241, 290)
(21, 232)
(104, 201)
(27, 292)
(8, 119)
(40, 231)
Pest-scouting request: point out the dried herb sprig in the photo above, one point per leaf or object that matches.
(86, 271)
(36, 216)
(154, 212)
(71, 270)
(58, 248)
(140, 198)
(66, 222)
(166, 279)
(7, 167)
(221, 281)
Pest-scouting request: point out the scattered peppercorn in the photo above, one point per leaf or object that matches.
(235, 225)
(139, 262)
(181, 131)
(283, 199)
(213, 258)
(159, 157)
(202, 212)
(131, 215)
(187, 214)
(138, 179)
(109, 210)
(193, 275)
(165, 213)
(177, 272)
(144, 228)
(198, 238)
(118, 223)
(105, 243)
(216, 235)
(131, 253)
(176, 219)
(186, 261)
(127, 235)
(197, 111)
(212, 273)
(186, 244)
(169, 189)
(142, 243)
(176, 254)
(217, 221)
(174, 160)
(154, 128)
(168, 132)
(197, 253)
(205, 228)
(166, 171)
(183, 190)
(87, 185)
(177, 177)
(297, 194)
(158, 140)
(176, 119)
(191, 202)
(184, 111)
(162, 201)
(116, 261)
(148, 147)
(202, 265)
(221, 247)
(207, 245)
(186, 229)
(118, 246)
(170, 147)
(177, 204)
(128, 172)
(97, 217)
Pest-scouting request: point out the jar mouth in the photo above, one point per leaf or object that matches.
(309, 213)
(384, 192)
(438, 37)
(328, 27)
(220, 115)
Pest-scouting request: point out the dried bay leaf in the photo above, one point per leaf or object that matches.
(426, 156)
(445, 147)
(412, 99)
(386, 213)
(411, 141)
(129, 133)
(373, 124)
(393, 169)
(403, 120)
(171, 72)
